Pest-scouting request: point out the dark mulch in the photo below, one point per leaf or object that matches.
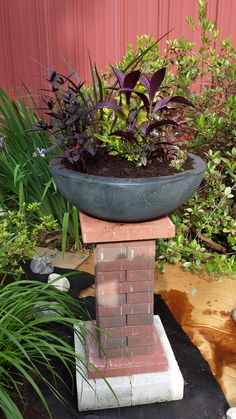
(203, 397)
(116, 166)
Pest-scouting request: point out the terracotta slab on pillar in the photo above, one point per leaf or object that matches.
(99, 231)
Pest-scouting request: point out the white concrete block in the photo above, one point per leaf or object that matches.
(161, 386)
(132, 390)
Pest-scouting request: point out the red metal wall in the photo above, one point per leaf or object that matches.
(39, 34)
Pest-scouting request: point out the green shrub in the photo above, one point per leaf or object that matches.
(206, 224)
(19, 234)
(24, 167)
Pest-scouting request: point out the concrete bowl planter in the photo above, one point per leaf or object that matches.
(127, 199)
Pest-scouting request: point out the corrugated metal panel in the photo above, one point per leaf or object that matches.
(37, 35)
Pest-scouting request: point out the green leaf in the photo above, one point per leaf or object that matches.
(64, 232)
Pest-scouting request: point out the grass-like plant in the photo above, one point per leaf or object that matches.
(24, 172)
(32, 316)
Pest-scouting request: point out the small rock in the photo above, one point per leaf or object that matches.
(231, 413)
(40, 312)
(62, 283)
(233, 314)
(41, 265)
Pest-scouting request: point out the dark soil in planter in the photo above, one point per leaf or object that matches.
(116, 166)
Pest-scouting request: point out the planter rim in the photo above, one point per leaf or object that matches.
(56, 164)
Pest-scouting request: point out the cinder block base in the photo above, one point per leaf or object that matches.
(133, 389)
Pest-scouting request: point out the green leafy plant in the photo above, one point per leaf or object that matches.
(19, 233)
(32, 318)
(206, 226)
(205, 75)
(24, 172)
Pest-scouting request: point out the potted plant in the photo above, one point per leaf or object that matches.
(120, 160)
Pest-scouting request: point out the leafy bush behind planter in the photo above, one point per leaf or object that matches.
(206, 227)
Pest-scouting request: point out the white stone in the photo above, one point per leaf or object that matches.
(130, 390)
(233, 314)
(46, 313)
(231, 413)
(62, 283)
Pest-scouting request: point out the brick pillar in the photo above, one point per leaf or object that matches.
(124, 297)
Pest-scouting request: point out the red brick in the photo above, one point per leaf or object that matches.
(125, 264)
(140, 275)
(140, 297)
(111, 300)
(110, 253)
(127, 331)
(113, 343)
(126, 243)
(140, 330)
(127, 352)
(140, 350)
(113, 353)
(137, 308)
(123, 288)
(106, 311)
(140, 308)
(111, 321)
(128, 250)
(136, 252)
(139, 319)
(107, 288)
(140, 340)
(130, 287)
(114, 276)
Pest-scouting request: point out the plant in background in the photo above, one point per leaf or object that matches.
(207, 77)
(30, 339)
(206, 226)
(24, 172)
(19, 233)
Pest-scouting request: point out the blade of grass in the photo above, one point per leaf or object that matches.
(64, 232)
(75, 217)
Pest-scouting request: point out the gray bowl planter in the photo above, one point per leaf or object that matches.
(127, 199)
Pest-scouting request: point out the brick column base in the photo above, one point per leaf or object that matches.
(124, 297)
